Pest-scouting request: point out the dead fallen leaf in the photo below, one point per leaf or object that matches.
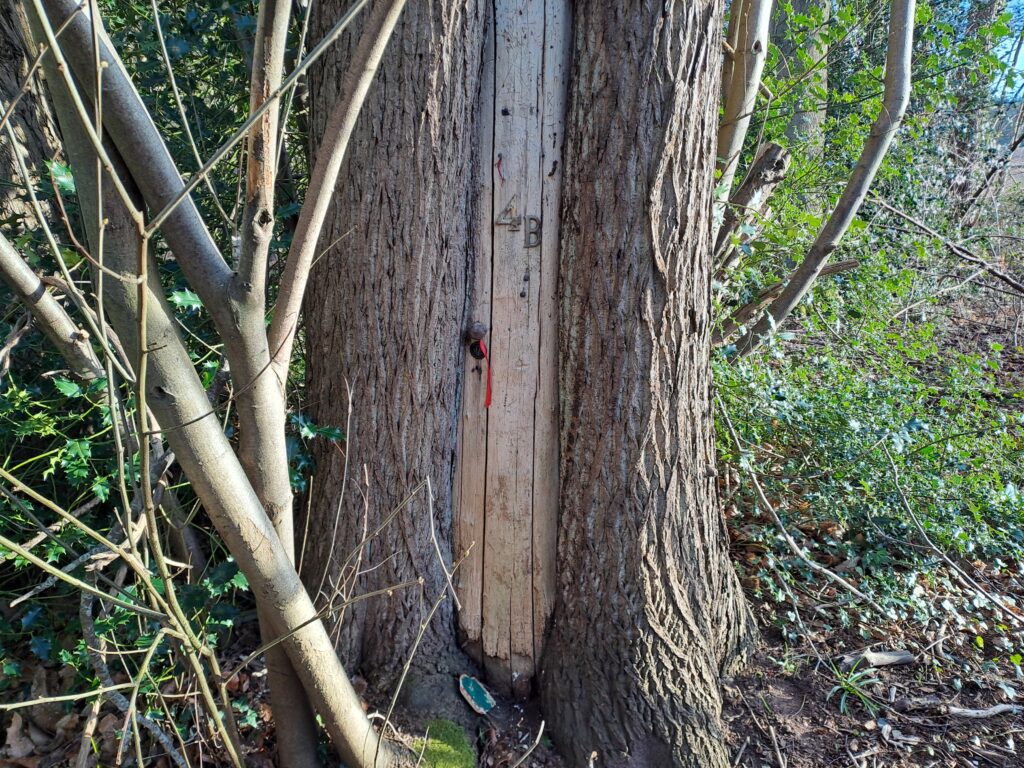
(18, 744)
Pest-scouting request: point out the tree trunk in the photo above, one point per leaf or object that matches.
(806, 123)
(649, 612)
(385, 312)
(32, 122)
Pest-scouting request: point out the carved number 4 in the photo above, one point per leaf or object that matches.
(509, 218)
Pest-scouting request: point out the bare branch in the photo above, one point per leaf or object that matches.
(70, 340)
(894, 104)
(178, 401)
(262, 448)
(325, 175)
(288, 83)
(140, 144)
(742, 315)
(743, 69)
(261, 157)
(957, 250)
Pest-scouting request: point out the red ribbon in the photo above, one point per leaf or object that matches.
(487, 360)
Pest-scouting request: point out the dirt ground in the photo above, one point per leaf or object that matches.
(954, 703)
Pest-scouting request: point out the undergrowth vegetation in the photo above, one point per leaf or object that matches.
(884, 421)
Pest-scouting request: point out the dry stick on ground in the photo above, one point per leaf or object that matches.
(790, 541)
(869, 658)
(741, 80)
(980, 714)
(536, 743)
(934, 704)
(775, 744)
(894, 104)
(961, 575)
(957, 250)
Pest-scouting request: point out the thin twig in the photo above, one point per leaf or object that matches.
(961, 575)
(95, 649)
(957, 250)
(536, 743)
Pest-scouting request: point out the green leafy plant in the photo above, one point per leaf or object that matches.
(853, 685)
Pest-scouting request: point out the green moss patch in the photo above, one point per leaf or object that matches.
(447, 746)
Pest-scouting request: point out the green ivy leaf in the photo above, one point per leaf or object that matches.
(62, 175)
(186, 299)
(67, 388)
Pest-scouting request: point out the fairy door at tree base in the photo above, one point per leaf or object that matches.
(506, 485)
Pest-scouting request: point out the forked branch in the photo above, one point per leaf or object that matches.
(325, 175)
(894, 104)
(741, 84)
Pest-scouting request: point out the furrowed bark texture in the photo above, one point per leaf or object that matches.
(385, 312)
(649, 612)
(32, 122)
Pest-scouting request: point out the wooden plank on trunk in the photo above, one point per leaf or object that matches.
(507, 478)
(471, 463)
(508, 567)
(557, 26)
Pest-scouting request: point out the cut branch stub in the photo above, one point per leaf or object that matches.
(477, 331)
(750, 200)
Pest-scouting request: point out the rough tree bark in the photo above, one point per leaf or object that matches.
(649, 611)
(385, 311)
(31, 119)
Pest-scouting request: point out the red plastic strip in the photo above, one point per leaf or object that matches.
(487, 360)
